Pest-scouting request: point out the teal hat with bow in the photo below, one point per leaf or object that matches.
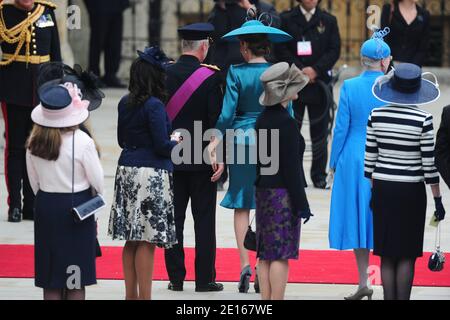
(252, 27)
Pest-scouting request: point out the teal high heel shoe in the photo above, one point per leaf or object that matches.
(244, 281)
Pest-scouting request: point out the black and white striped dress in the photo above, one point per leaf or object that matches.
(400, 158)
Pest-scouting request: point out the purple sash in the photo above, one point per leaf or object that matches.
(179, 99)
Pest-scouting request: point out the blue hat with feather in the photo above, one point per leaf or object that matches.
(376, 48)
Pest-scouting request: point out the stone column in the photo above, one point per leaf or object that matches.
(79, 38)
(61, 18)
(135, 34)
(169, 34)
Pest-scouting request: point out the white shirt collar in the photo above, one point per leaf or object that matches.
(312, 12)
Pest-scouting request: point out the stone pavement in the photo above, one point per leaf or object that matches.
(314, 234)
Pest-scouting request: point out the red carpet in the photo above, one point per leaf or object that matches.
(314, 266)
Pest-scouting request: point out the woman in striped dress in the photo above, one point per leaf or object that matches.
(399, 159)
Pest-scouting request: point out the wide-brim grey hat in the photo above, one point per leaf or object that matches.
(281, 82)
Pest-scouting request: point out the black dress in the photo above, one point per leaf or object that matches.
(280, 193)
(409, 43)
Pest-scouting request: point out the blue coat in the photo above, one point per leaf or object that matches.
(143, 132)
(351, 224)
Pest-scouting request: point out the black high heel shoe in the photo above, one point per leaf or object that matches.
(244, 281)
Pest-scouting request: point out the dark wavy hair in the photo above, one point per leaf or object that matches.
(146, 80)
(258, 44)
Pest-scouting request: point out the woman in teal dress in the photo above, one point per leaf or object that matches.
(240, 110)
(351, 224)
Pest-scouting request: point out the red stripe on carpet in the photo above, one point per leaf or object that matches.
(314, 266)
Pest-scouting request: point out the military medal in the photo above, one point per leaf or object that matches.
(45, 21)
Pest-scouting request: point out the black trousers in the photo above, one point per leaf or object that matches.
(319, 118)
(18, 127)
(106, 36)
(197, 187)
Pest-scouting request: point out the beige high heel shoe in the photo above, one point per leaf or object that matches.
(360, 294)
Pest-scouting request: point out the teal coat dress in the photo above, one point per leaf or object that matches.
(351, 224)
(240, 110)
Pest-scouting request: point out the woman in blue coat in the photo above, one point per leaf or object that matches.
(350, 214)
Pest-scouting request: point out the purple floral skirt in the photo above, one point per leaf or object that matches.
(277, 228)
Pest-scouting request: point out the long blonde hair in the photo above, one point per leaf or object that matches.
(46, 142)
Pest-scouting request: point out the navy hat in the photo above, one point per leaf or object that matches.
(196, 31)
(406, 86)
(375, 48)
(155, 56)
(54, 97)
(61, 106)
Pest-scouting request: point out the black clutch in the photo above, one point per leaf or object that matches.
(89, 208)
(250, 239)
(436, 262)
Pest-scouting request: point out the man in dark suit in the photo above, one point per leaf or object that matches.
(195, 181)
(315, 49)
(18, 93)
(442, 150)
(228, 15)
(106, 20)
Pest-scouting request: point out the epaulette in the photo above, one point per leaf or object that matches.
(210, 66)
(46, 3)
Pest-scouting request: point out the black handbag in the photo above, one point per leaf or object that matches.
(437, 259)
(250, 238)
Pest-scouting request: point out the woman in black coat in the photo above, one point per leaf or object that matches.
(281, 200)
(442, 150)
(410, 30)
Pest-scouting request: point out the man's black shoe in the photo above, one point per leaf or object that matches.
(322, 184)
(14, 215)
(213, 286)
(175, 286)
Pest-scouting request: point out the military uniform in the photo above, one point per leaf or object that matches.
(193, 181)
(321, 36)
(27, 40)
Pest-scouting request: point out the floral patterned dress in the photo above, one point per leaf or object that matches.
(143, 206)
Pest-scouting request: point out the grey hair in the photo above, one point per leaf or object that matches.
(369, 62)
(191, 45)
